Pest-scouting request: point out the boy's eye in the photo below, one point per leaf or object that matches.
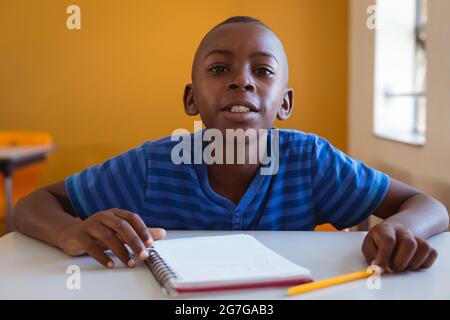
(262, 71)
(217, 69)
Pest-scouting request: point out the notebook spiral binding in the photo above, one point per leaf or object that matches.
(160, 269)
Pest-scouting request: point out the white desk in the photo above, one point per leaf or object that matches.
(30, 269)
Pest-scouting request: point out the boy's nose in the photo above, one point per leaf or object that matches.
(243, 85)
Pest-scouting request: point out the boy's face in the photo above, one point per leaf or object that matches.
(239, 65)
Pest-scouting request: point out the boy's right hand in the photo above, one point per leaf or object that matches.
(110, 229)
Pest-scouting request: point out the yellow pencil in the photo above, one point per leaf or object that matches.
(330, 282)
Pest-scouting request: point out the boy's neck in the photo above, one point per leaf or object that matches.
(231, 180)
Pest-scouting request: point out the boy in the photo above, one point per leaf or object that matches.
(239, 81)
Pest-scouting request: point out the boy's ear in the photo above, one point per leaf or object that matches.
(286, 107)
(188, 99)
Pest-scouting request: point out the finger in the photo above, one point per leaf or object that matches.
(127, 234)
(110, 240)
(406, 248)
(422, 253)
(138, 225)
(369, 249)
(432, 256)
(158, 233)
(92, 249)
(385, 249)
(102, 245)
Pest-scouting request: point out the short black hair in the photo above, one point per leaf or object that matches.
(241, 19)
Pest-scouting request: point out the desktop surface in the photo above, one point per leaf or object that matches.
(31, 269)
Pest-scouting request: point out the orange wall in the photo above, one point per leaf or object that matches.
(119, 80)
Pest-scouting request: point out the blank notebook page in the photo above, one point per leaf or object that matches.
(225, 259)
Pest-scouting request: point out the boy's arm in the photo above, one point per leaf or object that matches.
(409, 217)
(44, 213)
(47, 215)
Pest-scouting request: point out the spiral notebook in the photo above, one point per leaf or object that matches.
(220, 263)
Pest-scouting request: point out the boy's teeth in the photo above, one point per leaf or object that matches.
(239, 109)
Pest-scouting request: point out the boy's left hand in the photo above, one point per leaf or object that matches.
(394, 246)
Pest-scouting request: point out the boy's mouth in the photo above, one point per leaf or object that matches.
(240, 107)
(240, 111)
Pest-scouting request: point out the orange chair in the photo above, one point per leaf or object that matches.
(328, 227)
(25, 180)
(325, 227)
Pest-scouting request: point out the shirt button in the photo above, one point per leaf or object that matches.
(238, 213)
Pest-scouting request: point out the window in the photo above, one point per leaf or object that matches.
(400, 70)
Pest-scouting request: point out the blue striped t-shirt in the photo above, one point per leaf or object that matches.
(315, 184)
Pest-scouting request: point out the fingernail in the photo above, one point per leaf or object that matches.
(143, 255)
(149, 243)
(110, 264)
(131, 263)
